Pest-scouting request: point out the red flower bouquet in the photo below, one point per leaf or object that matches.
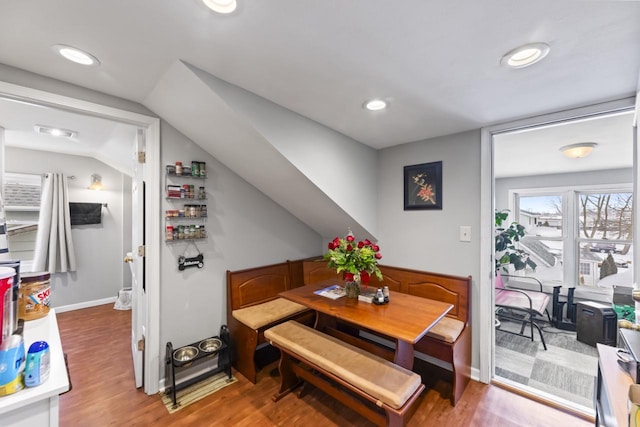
(357, 261)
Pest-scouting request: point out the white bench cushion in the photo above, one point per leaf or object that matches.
(375, 376)
(260, 315)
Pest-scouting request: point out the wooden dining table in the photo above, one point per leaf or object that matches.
(405, 319)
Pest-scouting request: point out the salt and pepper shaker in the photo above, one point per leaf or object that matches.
(385, 292)
(379, 296)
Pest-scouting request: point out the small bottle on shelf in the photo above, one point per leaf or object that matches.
(179, 168)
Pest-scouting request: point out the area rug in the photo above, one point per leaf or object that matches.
(567, 369)
(197, 391)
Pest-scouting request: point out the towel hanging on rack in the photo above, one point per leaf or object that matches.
(85, 213)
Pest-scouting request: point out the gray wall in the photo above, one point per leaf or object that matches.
(245, 229)
(429, 239)
(99, 248)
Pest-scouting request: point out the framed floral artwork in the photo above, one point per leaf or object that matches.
(423, 186)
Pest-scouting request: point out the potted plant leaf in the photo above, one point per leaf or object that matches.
(507, 250)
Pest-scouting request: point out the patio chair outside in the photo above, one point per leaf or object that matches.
(524, 306)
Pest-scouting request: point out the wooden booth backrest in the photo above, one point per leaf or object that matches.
(316, 271)
(256, 285)
(441, 287)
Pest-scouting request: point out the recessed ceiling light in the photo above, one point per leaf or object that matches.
(76, 55)
(526, 55)
(221, 6)
(375, 104)
(48, 130)
(579, 150)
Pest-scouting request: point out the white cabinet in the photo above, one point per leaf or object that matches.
(39, 406)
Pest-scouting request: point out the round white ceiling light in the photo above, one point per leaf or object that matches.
(76, 55)
(526, 55)
(375, 104)
(579, 150)
(221, 6)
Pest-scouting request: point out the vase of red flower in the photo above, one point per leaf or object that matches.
(356, 261)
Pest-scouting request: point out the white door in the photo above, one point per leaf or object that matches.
(137, 263)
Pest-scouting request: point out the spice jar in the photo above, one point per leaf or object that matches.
(178, 168)
(169, 232)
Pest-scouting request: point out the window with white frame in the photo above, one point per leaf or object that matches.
(578, 236)
(21, 199)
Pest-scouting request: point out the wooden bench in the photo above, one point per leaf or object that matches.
(450, 339)
(345, 372)
(253, 306)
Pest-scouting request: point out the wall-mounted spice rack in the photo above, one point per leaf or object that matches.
(186, 221)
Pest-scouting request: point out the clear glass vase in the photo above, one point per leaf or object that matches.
(352, 289)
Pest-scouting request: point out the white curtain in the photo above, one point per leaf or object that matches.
(54, 246)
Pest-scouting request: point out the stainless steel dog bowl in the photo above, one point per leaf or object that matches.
(210, 345)
(185, 354)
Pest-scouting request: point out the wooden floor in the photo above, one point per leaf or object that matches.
(96, 341)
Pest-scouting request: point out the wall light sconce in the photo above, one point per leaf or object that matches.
(96, 182)
(579, 150)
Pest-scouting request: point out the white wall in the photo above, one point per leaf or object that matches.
(245, 229)
(429, 239)
(99, 248)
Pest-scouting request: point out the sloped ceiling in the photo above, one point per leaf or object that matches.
(207, 110)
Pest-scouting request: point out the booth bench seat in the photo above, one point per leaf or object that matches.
(253, 305)
(322, 360)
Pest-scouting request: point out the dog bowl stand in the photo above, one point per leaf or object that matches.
(224, 363)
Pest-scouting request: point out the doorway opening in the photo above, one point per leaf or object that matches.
(145, 310)
(569, 209)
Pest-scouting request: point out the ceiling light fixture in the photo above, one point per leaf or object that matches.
(221, 6)
(76, 55)
(375, 104)
(48, 130)
(579, 150)
(526, 55)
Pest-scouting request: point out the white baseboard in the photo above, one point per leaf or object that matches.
(85, 304)
(475, 374)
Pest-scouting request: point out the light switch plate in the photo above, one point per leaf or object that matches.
(465, 233)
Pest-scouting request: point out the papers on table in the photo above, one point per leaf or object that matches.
(333, 292)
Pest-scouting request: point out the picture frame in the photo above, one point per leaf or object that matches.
(423, 186)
